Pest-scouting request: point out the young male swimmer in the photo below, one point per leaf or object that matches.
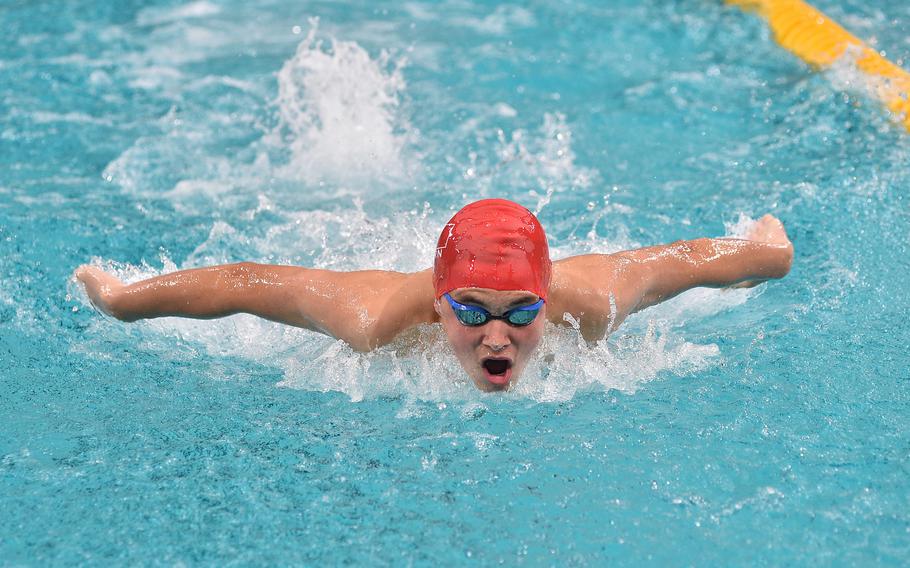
(492, 287)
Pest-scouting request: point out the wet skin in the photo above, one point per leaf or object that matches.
(370, 308)
(485, 351)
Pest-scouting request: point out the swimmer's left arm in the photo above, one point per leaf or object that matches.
(599, 291)
(668, 270)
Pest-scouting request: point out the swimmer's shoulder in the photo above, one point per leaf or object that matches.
(578, 281)
(407, 302)
(585, 287)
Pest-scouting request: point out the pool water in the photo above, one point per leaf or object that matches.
(763, 426)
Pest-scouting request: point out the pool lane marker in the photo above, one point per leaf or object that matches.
(820, 41)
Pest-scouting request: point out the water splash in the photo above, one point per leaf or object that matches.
(338, 113)
(857, 86)
(335, 127)
(541, 160)
(344, 239)
(566, 364)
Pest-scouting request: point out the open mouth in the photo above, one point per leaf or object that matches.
(498, 371)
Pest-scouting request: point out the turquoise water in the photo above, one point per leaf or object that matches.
(725, 427)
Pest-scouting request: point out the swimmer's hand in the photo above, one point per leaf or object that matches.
(103, 289)
(771, 231)
(768, 229)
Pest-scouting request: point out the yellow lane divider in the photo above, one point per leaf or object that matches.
(820, 41)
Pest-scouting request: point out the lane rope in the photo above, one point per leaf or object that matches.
(821, 42)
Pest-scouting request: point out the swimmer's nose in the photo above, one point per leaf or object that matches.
(496, 337)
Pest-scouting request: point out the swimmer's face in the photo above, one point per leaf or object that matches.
(493, 354)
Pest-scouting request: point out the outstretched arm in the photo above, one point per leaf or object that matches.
(666, 271)
(600, 291)
(352, 306)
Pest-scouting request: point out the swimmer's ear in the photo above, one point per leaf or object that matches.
(437, 307)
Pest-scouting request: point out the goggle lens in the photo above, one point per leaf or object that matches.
(473, 316)
(523, 317)
(470, 317)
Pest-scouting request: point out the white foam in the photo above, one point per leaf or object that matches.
(346, 239)
(502, 109)
(153, 16)
(501, 21)
(695, 304)
(75, 117)
(154, 77)
(566, 364)
(338, 113)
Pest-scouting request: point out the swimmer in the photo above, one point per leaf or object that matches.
(492, 288)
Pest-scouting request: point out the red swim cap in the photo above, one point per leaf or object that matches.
(496, 244)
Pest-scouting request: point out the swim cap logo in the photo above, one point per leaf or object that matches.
(448, 237)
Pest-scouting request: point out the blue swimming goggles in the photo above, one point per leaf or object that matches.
(475, 315)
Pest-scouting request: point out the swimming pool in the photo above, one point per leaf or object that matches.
(725, 427)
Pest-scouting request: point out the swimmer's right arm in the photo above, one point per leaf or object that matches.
(351, 306)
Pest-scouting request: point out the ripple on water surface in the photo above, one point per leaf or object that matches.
(723, 427)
